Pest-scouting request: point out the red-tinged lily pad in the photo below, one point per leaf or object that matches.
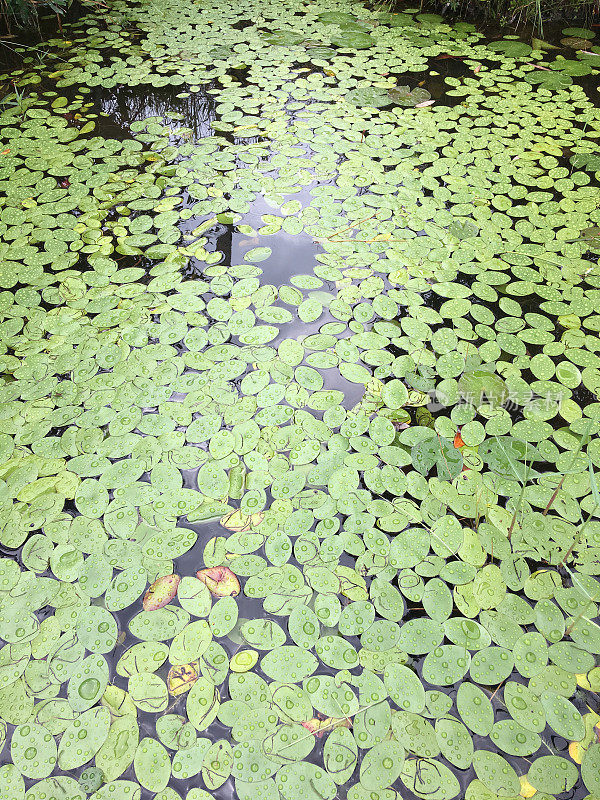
(160, 594)
(318, 727)
(220, 581)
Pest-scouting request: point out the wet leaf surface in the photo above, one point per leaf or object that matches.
(299, 396)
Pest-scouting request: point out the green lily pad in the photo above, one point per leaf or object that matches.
(378, 98)
(405, 96)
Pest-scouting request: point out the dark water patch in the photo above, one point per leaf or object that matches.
(124, 105)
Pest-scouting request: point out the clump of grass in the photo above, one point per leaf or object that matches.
(510, 12)
(16, 14)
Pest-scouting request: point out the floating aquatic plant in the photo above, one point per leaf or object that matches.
(336, 532)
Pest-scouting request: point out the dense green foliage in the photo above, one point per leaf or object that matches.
(299, 409)
(518, 12)
(25, 13)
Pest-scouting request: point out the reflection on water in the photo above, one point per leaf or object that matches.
(291, 254)
(124, 105)
(121, 106)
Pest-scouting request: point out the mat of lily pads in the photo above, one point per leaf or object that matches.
(299, 409)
